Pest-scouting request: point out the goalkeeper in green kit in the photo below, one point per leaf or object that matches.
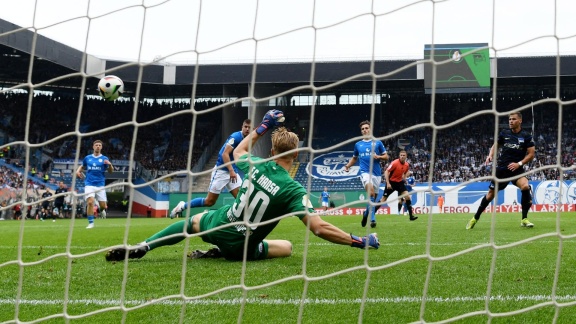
(267, 194)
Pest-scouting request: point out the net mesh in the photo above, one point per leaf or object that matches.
(425, 272)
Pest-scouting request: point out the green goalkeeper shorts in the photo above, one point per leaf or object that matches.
(229, 239)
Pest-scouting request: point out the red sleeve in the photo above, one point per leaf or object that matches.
(392, 166)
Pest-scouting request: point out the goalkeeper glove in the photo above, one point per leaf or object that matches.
(360, 242)
(272, 118)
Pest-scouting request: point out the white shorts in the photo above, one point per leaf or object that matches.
(221, 179)
(97, 192)
(367, 178)
(325, 204)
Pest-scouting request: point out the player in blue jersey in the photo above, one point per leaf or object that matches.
(268, 194)
(325, 198)
(224, 173)
(410, 181)
(369, 152)
(95, 166)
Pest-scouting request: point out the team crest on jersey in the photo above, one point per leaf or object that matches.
(521, 140)
(552, 192)
(330, 166)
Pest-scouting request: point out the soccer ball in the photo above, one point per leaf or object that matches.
(110, 87)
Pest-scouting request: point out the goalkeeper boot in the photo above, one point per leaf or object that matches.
(413, 218)
(177, 209)
(526, 223)
(119, 254)
(373, 224)
(471, 223)
(213, 253)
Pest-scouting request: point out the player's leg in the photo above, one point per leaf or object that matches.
(233, 186)
(277, 248)
(408, 202)
(385, 194)
(170, 235)
(525, 200)
(367, 183)
(400, 205)
(219, 179)
(103, 206)
(102, 202)
(90, 211)
(485, 202)
(375, 187)
(90, 194)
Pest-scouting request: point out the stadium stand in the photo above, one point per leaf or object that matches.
(459, 153)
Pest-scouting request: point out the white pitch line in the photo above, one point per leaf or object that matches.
(75, 247)
(315, 301)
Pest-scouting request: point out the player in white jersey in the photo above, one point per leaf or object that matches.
(224, 174)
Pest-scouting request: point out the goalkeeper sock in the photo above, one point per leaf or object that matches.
(176, 228)
(196, 202)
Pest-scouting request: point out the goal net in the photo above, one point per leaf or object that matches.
(193, 71)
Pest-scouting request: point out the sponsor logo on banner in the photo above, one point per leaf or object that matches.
(351, 211)
(330, 166)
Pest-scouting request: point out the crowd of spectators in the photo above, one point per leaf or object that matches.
(11, 190)
(161, 143)
(459, 148)
(455, 143)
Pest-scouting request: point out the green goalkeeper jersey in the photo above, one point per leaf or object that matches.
(267, 193)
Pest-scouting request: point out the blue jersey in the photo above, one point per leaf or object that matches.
(364, 150)
(410, 181)
(325, 196)
(233, 140)
(95, 170)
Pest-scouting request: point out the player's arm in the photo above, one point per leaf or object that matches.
(405, 176)
(350, 163)
(387, 178)
(79, 171)
(530, 153)
(384, 155)
(271, 119)
(247, 142)
(490, 156)
(331, 233)
(228, 149)
(110, 167)
(387, 175)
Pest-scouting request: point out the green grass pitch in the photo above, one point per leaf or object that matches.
(429, 270)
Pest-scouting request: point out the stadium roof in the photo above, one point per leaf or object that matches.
(58, 67)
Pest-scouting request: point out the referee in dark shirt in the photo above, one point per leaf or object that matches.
(517, 149)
